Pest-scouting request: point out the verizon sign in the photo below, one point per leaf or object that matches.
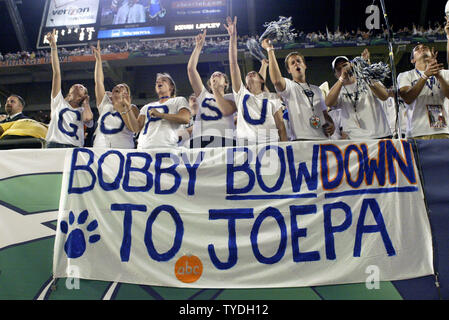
(72, 13)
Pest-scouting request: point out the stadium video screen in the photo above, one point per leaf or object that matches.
(78, 22)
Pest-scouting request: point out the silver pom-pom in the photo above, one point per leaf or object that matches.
(255, 49)
(369, 73)
(280, 30)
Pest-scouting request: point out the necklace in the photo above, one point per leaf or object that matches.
(356, 98)
(315, 121)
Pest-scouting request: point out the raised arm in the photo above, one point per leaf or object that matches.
(273, 66)
(263, 69)
(366, 55)
(332, 97)
(87, 115)
(192, 72)
(130, 114)
(280, 125)
(409, 93)
(99, 75)
(56, 80)
(263, 72)
(226, 106)
(379, 91)
(236, 77)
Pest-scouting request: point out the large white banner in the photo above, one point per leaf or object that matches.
(287, 215)
(71, 13)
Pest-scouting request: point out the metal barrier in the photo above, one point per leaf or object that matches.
(23, 143)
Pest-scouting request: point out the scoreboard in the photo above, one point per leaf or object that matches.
(78, 22)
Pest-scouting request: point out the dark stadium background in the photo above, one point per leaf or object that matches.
(308, 16)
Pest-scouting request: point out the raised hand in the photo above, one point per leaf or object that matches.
(232, 26)
(51, 37)
(85, 101)
(267, 44)
(366, 56)
(433, 54)
(96, 50)
(125, 99)
(346, 71)
(433, 68)
(201, 38)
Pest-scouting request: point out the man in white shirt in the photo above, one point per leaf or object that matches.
(130, 12)
(424, 89)
(307, 112)
(362, 113)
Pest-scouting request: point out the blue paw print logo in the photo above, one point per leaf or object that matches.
(75, 244)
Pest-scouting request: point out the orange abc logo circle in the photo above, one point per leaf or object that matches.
(188, 269)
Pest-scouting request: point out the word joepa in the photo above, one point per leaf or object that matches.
(281, 215)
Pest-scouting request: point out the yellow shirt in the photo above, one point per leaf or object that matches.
(24, 127)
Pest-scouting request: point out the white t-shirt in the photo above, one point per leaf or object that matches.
(429, 104)
(112, 131)
(66, 124)
(255, 117)
(158, 132)
(209, 120)
(369, 121)
(300, 110)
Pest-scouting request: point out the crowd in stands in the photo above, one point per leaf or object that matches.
(360, 35)
(155, 46)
